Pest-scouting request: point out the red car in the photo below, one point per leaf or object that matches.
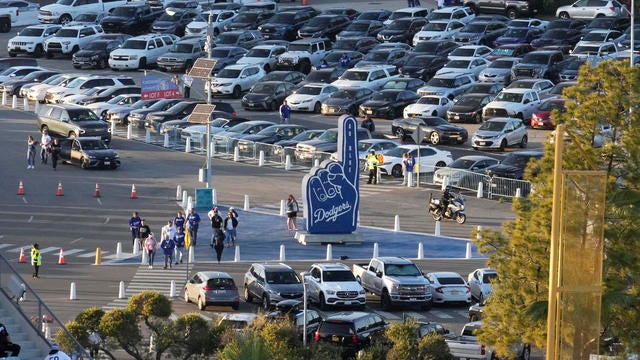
(541, 119)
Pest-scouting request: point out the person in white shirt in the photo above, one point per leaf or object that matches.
(45, 145)
(56, 354)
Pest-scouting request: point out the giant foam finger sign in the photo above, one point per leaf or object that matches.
(330, 191)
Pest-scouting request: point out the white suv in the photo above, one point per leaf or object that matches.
(140, 51)
(234, 79)
(334, 284)
(80, 84)
(263, 55)
(372, 77)
(31, 40)
(70, 39)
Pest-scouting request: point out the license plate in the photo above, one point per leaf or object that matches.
(457, 117)
(455, 292)
(107, 162)
(335, 338)
(483, 143)
(413, 299)
(18, 48)
(369, 112)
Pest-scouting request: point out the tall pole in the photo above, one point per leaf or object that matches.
(304, 310)
(633, 11)
(208, 90)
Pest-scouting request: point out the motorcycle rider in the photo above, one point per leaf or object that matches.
(447, 196)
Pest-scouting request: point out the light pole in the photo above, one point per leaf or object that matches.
(208, 85)
(303, 274)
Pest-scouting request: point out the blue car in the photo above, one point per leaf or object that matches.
(518, 35)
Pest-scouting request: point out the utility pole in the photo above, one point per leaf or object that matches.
(208, 85)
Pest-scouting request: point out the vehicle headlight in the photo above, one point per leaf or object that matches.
(80, 131)
(66, 42)
(116, 156)
(273, 292)
(224, 84)
(461, 207)
(260, 28)
(394, 287)
(305, 101)
(362, 292)
(95, 57)
(331, 292)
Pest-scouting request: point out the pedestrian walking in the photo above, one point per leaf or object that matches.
(31, 152)
(144, 231)
(285, 113)
(6, 345)
(179, 220)
(410, 3)
(168, 247)
(219, 244)
(216, 224)
(45, 145)
(405, 168)
(372, 165)
(230, 228)
(368, 124)
(36, 259)
(193, 221)
(179, 243)
(55, 153)
(150, 245)
(292, 212)
(234, 212)
(168, 229)
(186, 84)
(134, 226)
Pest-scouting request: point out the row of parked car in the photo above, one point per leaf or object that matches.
(336, 285)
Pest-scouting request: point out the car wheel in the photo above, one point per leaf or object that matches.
(102, 64)
(5, 25)
(84, 163)
(235, 306)
(267, 68)
(477, 118)
(247, 295)
(77, 66)
(434, 138)
(396, 171)
(526, 353)
(273, 106)
(202, 304)
(64, 19)
(317, 107)
(440, 164)
(385, 300)
(523, 142)
(38, 51)
(236, 92)
(434, 113)
(12, 54)
(142, 64)
(186, 297)
(564, 15)
(321, 302)
(75, 50)
(512, 13)
(473, 318)
(266, 304)
(503, 144)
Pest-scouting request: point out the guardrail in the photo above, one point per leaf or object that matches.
(32, 310)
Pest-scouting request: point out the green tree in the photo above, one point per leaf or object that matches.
(405, 340)
(607, 93)
(121, 327)
(86, 323)
(194, 336)
(249, 347)
(433, 347)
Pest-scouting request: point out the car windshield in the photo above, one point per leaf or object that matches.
(385, 96)
(503, 52)
(401, 270)
(82, 115)
(70, 33)
(493, 125)
(516, 32)
(31, 32)
(298, 47)
(358, 26)
(462, 163)
(135, 44)
(307, 135)
(96, 45)
(435, 26)
(345, 94)
(554, 34)
(399, 15)
(86, 18)
(377, 56)
(258, 53)
(141, 104)
(74, 83)
(283, 18)
(433, 121)
(469, 100)
(586, 49)
(93, 145)
(355, 75)
(264, 88)
(436, 15)
(345, 44)
(458, 64)
(399, 25)
(65, 2)
(329, 136)
(488, 278)
(221, 284)
(363, 145)
(229, 73)
(509, 97)
(182, 48)
(501, 64)
(282, 277)
(419, 61)
(516, 160)
(309, 90)
(336, 328)
(552, 105)
(595, 36)
(474, 28)
(56, 80)
(126, 11)
(275, 76)
(396, 84)
(339, 275)
(319, 21)
(269, 131)
(450, 280)
(246, 17)
(219, 53)
(242, 127)
(32, 75)
(463, 52)
(226, 38)
(333, 56)
(117, 99)
(440, 82)
(319, 76)
(429, 100)
(173, 16)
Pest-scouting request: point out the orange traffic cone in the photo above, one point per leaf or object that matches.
(133, 192)
(61, 258)
(20, 188)
(97, 193)
(59, 193)
(22, 259)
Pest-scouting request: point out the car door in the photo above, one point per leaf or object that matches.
(510, 133)
(256, 282)
(426, 161)
(76, 152)
(58, 122)
(314, 284)
(474, 282)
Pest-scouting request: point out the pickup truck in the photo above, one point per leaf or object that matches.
(18, 16)
(511, 8)
(64, 11)
(466, 345)
(396, 280)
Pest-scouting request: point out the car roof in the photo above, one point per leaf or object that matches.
(395, 259)
(501, 119)
(275, 267)
(213, 274)
(240, 66)
(346, 315)
(331, 266)
(445, 274)
(476, 157)
(517, 90)
(451, 75)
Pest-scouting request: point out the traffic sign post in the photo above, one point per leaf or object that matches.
(418, 136)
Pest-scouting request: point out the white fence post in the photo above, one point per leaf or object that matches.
(396, 223)
(282, 253)
(420, 251)
(261, 158)
(287, 162)
(246, 203)
(129, 131)
(282, 207)
(437, 230)
(375, 250)
(187, 145)
(480, 190)
(165, 143)
(329, 252)
(236, 154)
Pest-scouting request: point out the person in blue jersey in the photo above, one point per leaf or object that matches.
(178, 239)
(179, 220)
(168, 246)
(193, 221)
(134, 226)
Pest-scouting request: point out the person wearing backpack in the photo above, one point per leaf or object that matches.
(219, 243)
(150, 245)
(216, 224)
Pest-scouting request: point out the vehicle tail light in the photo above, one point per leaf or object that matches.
(317, 336)
(439, 289)
(17, 12)
(483, 351)
(354, 338)
(234, 113)
(206, 288)
(468, 288)
(613, 9)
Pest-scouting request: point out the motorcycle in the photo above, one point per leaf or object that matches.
(456, 209)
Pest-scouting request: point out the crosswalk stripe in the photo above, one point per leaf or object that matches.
(440, 314)
(463, 313)
(17, 250)
(2, 246)
(92, 254)
(73, 251)
(415, 315)
(387, 315)
(49, 249)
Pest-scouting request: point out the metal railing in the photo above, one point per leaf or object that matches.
(32, 310)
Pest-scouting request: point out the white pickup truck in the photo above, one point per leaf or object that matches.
(396, 280)
(12, 16)
(466, 345)
(64, 11)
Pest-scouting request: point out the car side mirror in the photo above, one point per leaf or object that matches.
(526, 101)
(379, 274)
(64, 119)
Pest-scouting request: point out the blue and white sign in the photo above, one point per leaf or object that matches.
(330, 191)
(155, 87)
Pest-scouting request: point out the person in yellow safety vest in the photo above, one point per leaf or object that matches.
(372, 164)
(36, 259)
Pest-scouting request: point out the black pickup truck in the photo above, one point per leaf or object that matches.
(132, 18)
(511, 8)
(88, 152)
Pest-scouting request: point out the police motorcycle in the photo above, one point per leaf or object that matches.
(455, 208)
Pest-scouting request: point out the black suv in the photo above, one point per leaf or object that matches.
(324, 26)
(132, 18)
(285, 24)
(536, 64)
(351, 331)
(514, 164)
(155, 119)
